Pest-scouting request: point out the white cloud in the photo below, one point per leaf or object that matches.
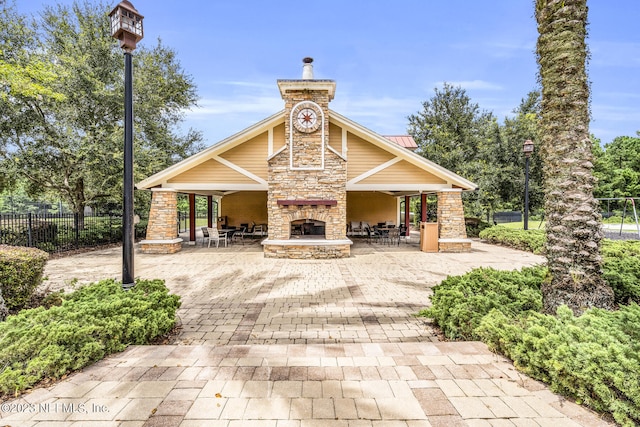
(264, 86)
(499, 49)
(244, 104)
(620, 95)
(474, 84)
(615, 54)
(384, 115)
(615, 113)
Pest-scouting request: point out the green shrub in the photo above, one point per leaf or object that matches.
(4, 311)
(20, 274)
(526, 240)
(614, 219)
(475, 227)
(621, 269)
(594, 358)
(621, 259)
(92, 322)
(460, 302)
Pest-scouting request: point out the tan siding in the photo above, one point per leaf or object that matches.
(245, 207)
(335, 137)
(371, 206)
(251, 155)
(403, 172)
(363, 156)
(279, 138)
(212, 171)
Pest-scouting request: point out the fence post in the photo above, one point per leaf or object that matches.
(29, 230)
(76, 228)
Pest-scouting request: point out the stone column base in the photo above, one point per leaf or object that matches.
(307, 249)
(454, 245)
(161, 246)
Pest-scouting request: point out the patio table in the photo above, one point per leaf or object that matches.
(229, 232)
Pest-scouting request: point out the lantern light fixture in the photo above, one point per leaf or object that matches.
(126, 25)
(527, 147)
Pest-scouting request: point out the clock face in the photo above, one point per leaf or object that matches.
(305, 118)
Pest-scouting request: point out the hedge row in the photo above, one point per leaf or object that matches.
(526, 240)
(621, 269)
(459, 303)
(20, 274)
(91, 323)
(594, 358)
(621, 259)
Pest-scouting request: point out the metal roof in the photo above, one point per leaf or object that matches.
(405, 141)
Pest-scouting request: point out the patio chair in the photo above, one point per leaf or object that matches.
(404, 234)
(363, 226)
(216, 236)
(372, 235)
(393, 236)
(239, 235)
(258, 230)
(205, 234)
(356, 228)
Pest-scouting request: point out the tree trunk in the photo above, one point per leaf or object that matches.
(77, 200)
(573, 225)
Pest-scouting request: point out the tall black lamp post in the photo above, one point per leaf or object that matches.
(527, 149)
(126, 26)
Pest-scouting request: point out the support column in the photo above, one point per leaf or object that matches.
(407, 213)
(192, 219)
(161, 231)
(423, 207)
(451, 227)
(210, 211)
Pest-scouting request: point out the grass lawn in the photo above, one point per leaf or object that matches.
(533, 224)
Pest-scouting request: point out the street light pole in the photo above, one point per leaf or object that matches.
(126, 26)
(527, 149)
(128, 232)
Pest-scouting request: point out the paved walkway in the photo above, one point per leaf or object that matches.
(297, 343)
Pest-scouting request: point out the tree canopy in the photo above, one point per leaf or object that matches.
(62, 122)
(454, 132)
(618, 167)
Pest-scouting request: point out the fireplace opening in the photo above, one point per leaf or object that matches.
(307, 229)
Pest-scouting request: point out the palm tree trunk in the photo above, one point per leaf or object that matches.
(573, 221)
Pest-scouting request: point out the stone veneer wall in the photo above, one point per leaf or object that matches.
(326, 184)
(452, 230)
(307, 251)
(161, 231)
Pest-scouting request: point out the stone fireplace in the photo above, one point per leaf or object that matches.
(307, 197)
(306, 228)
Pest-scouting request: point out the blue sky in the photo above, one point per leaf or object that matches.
(385, 56)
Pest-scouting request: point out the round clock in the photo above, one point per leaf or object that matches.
(305, 118)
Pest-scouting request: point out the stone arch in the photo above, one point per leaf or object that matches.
(318, 214)
(315, 213)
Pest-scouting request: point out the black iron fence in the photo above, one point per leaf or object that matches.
(62, 232)
(512, 216)
(183, 220)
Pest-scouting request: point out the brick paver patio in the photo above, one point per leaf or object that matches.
(298, 343)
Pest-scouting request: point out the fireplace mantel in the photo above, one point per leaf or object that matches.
(310, 202)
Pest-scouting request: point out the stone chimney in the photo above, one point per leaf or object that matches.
(307, 69)
(307, 181)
